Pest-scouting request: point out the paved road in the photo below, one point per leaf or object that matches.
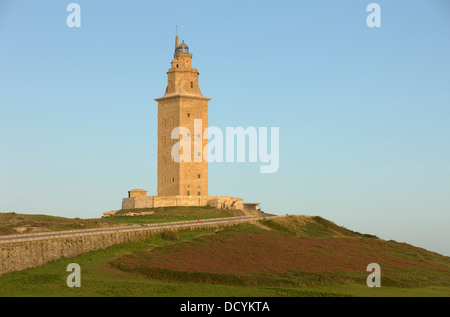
(56, 234)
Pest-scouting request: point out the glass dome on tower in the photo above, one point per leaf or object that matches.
(182, 48)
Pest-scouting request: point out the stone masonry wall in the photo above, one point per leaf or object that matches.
(168, 201)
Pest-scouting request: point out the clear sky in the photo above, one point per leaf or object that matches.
(363, 113)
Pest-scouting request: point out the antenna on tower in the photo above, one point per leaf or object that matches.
(176, 38)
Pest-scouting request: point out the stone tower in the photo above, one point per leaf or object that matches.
(179, 107)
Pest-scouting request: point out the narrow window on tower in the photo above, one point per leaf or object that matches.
(188, 114)
(188, 193)
(177, 65)
(192, 84)
(198, 175)
(173, 179)
(198, 193)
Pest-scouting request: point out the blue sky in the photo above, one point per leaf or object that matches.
(364, 113)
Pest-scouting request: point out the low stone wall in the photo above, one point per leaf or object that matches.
(142, 202)
(32, 250)
(166, 201)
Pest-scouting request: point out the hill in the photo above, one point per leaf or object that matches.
(291, 251)
(283, 256)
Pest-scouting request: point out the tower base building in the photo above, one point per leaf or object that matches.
(136, 200)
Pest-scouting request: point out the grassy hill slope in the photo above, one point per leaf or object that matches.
(289, 252)
(289, 256)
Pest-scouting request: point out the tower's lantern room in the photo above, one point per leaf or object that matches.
(182, 48)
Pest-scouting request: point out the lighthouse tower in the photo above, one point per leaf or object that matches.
(181, 106)
(182, 148)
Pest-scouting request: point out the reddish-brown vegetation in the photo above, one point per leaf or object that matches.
(253, 251)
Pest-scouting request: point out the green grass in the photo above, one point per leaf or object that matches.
(172, 214)
(321, 226)
(100, 278)
(313, 227)
(383, 291)
(254, 256)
